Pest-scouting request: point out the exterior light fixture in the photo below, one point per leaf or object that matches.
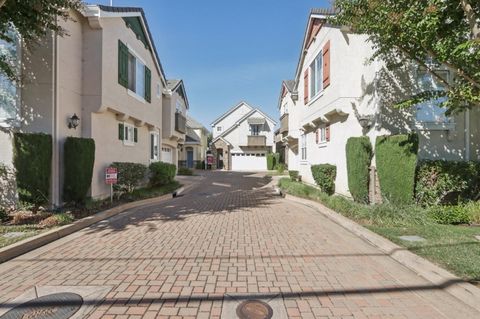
(366, 121)
(73, 122)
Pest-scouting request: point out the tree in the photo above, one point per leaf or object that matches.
(31, 19)
(402, 31)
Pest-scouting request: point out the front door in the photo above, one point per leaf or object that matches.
(190, 158)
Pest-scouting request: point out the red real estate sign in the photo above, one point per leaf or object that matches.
(111, 175)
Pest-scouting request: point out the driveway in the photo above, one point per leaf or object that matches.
(225, 240)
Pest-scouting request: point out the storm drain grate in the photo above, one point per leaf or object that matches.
(54, 306)
(254, 309)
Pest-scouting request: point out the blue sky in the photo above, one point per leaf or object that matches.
(227, 51)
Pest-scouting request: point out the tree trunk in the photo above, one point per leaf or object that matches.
(472, 20)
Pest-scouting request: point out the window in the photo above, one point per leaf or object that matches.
(316, 75)
(219, 128)
(159, 90)
(133, 74)
(8, 89)
(304, 147)
(255, 129)
(321, 135)
(154, 146)
(127, 133)
(431, 111)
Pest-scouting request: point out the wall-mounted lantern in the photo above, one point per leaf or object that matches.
(73, 122)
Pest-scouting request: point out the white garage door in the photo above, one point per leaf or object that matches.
(167, 155)
(249, 162)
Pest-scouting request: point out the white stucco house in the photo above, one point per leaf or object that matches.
(242, 138)
(337, 94)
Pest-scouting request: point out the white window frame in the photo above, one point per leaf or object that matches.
(303, 147)
(322, 135)
(219, 128)
(129, 134)
(155, 157)
(315, 85)
(159, 90)
(15, 121)
(138, 60)
(253, 132)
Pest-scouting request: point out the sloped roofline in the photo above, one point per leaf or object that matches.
(316, 13)
(285, 85)
(181, 85)
(102, 11)
(224, 115)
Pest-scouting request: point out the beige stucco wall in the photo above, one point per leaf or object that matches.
(229, 120)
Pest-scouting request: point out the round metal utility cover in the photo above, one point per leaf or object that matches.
(254, 309)
(55, 306)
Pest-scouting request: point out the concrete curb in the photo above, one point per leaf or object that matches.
(467, 293)
(31, 243)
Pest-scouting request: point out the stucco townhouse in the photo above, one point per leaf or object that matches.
(242, 138)
(106, 74)
(194, 151)
(337, 93)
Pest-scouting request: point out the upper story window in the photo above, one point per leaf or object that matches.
(431, 111)
(219, 128)
(8, 88)
(255, 129)
(316, 75)
(179, 107)
(133, 74)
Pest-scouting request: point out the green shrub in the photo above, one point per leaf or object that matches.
(33, 165)
(129, 176)
(446, 182)
(359, 155)
(450, 215)
(294, 175)
(3, 215)
(270, 161)
(79, 157)
(185, 171)
(200, 165)
(473, 211)
(162, 173)
(396, 158)
(280, 168)
(324, 175)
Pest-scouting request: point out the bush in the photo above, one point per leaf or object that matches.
(185, 171)
(473, 211)
(33, 165)
(324, 175)
(57, 220)
(294, 175)
(280, 168)
(129, 176)
(450, 215)
(79, 157)
(445, 182)
(3, 215)
(270, 161)
(162, 173)
(359, 156)
(8, 193)
(396, 158)
(200, 165)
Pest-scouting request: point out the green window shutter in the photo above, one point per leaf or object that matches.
(148, 85)
(122, 64)
(121, 131)
(135, 135)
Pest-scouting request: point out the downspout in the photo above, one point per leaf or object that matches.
(55, 148)
(467, 135)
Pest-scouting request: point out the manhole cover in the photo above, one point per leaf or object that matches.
(55, 306)
(254, 309)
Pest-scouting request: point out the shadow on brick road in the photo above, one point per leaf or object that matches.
(218, 193)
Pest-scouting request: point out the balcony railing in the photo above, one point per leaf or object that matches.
(180, 123)
(284, 123)
(257, 140)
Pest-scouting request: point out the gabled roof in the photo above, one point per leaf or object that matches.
(245, 117)
(194, 124)
(124, 12)
(316, 13)
(178, 85)
(224, 115)
(191, 137)
(289, 86)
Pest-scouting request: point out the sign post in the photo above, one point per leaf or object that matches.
(111, 175)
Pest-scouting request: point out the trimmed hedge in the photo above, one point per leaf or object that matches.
(185, 171)
(79, 157)
(270, 161)
(129, 176)
(162, 173)
(294, 175)
(359, 156)
(445, 182)
(324, 175)
(33, 165)
(396, 158)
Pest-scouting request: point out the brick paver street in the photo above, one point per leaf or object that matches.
(228, 236)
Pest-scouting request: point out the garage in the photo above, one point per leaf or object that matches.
(167, 155)
(249, 162)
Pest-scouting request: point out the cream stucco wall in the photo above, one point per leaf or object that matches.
(231, 119)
